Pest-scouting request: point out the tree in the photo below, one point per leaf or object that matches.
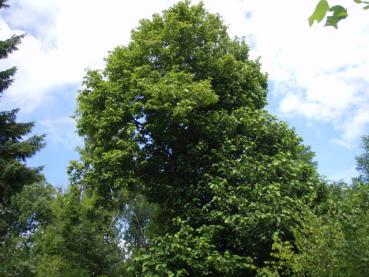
(32, 210)
(81, 239)
(362, 161)
(57, 234)
(330, 240)
(178, 117)
(14, 149)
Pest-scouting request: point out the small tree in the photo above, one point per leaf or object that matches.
(80, 240)
(331, 240)
(362, 161)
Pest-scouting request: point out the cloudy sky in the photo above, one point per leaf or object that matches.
(318, 77)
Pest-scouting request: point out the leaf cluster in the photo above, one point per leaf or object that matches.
(336, 12)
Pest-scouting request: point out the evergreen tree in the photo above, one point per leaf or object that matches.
(178, 117)
(14, 150)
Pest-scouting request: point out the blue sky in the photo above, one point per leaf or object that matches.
(318, 77)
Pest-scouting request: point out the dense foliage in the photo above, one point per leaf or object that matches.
(183, 173)
(178, 117)
(14, 150)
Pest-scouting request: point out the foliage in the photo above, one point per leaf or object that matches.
(31, 211)
(183, 173)
(61, 235)
(177, 117)
(330, 240)
(80, 241)
(362, 161)
(337, 12)
(15, 149)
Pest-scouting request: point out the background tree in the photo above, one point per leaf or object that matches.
(332, 243)
(14, 150)
(81, 239)
(178, 117)
(362, 161)
(61, 234)
(331, 239)
(32, 210)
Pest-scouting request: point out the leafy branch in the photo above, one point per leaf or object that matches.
(332, 14)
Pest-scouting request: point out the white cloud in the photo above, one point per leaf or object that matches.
(61, 131)
(318, 73)
(345, 175)
(74, 37)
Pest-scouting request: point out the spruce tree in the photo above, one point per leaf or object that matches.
(179, 116)
(14, 147)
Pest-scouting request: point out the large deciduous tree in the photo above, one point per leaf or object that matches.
(178, 117)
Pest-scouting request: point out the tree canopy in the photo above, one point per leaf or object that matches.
(183, 172)
(178, 116)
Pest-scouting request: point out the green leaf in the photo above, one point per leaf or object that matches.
(319, 13)
(366, 7)
(339, 13)
(357, 1)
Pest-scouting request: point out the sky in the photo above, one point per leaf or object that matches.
(318, 76)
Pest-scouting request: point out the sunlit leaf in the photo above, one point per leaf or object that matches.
(319, 13)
